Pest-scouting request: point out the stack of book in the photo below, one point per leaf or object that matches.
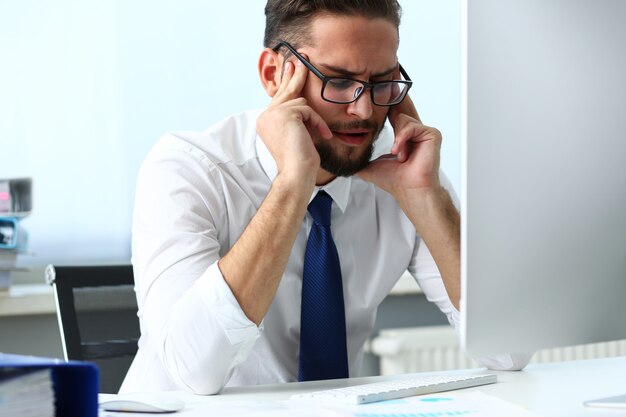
(47, 387)
(15, 204)
(8, 259)
(26, 392)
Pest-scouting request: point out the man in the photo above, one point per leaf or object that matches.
(222, 236)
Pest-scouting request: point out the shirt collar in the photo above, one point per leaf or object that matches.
(338, 189)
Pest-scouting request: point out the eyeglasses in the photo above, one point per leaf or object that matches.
(341, 90)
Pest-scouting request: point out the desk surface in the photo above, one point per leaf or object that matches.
(548, 390)
(25, 300)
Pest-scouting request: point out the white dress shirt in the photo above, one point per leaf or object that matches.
(196, 193)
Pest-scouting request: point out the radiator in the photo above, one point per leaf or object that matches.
(436, 348)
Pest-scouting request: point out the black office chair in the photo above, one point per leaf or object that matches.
(97, 313)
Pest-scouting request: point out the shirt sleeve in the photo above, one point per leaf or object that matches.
(425, 271)
(189, 317)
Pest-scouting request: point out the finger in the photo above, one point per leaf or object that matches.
(296, 84)
(404, 109)
(407, 107)
(410, 135)
(285, 77)
(315, 121)
(403, 129)
(400, 116)
(416, 133)
(293, 83)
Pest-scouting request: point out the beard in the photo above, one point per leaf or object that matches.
(345, 164)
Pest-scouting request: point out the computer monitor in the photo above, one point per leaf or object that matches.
(544, 184)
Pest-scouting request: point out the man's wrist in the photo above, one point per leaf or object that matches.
(422, 196)
(428, 206)
(437, 221)
(297, 184)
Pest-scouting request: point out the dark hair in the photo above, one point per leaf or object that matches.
(290, 20)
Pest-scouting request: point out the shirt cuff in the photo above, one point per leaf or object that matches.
(219, 299)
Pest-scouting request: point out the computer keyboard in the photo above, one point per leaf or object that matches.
(389, 390)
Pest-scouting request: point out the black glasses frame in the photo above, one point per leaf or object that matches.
(366, 85)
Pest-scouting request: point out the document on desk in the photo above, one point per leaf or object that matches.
(451, 404)
(474, 404)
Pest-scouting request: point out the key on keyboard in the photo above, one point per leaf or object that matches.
(389, 390)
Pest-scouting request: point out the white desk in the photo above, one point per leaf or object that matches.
(548, 390)
(26, 300)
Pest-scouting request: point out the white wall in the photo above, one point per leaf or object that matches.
(87, 86)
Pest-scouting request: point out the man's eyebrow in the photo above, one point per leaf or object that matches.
(345, 72)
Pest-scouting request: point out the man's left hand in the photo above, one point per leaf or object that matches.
(412, 177)
(413, 164)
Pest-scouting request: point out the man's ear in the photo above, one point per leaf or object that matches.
(270, 64)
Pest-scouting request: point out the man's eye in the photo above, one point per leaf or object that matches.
(340, 83)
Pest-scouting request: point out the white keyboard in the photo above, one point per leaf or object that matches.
(390, 390)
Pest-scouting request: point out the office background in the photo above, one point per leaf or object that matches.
(89, 86)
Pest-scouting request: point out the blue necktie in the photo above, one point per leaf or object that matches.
(323, 351)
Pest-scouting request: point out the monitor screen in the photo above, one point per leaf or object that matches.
(544, 184)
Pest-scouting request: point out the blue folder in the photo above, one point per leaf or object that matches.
(75, 383)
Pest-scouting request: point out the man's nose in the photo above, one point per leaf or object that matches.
(362, 107)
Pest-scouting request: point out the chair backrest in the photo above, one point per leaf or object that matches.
(97, 314)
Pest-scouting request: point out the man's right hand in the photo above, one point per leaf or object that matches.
(287, 126)
(254, 265)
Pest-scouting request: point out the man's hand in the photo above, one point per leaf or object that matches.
(254, 265)
(288, 124)
(412, 177)
(413, 164)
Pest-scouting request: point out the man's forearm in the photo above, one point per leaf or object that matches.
(255, 264)
(437, 221)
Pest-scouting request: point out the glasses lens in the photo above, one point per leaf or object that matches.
(345, 90)
(342, 90)
(389, 93)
